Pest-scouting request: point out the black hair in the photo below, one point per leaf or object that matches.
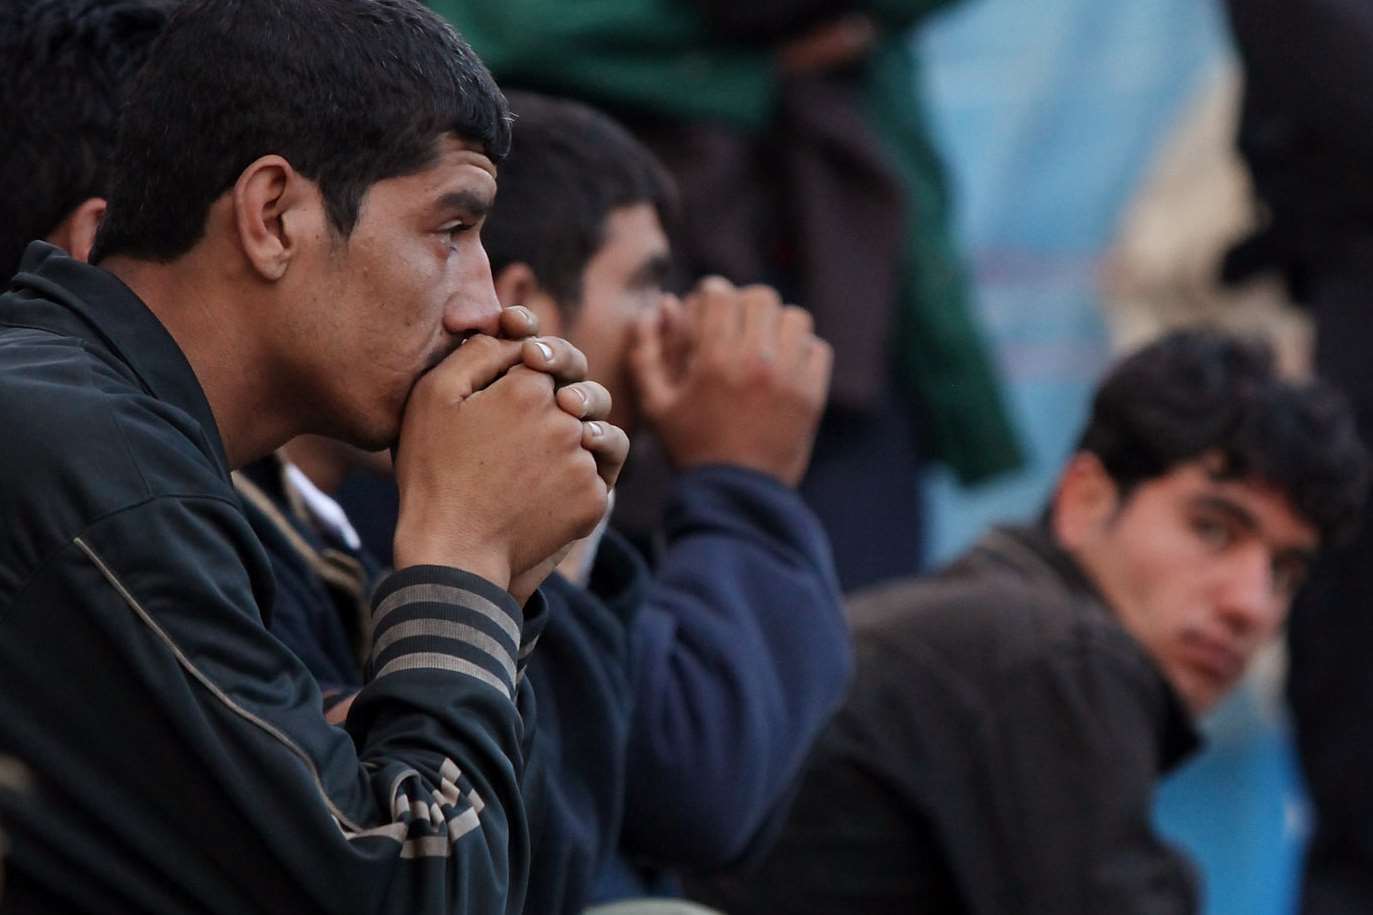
(350, 92)
(67, 66)
(1198, 392)
(569, 167)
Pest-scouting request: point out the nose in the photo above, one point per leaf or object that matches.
(473, 308)
(1249, 603)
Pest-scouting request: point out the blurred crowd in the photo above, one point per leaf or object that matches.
(467, 457)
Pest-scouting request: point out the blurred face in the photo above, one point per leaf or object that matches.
(624, 277)
(383, 306)
(1200, 571)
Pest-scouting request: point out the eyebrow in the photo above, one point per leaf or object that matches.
(1246, 519)
(653, 270)
(1237, 513)
(470, 203)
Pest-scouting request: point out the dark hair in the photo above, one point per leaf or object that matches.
(350, 92)
(1196, 392)
(68, 63)
(569, 167)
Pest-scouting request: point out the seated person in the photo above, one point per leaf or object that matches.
(244, 290)
(1011, 715)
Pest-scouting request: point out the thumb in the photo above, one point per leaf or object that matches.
(648, 366)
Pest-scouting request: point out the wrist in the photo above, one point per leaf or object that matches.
(420, 550)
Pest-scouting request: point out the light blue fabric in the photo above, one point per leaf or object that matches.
(1241, 810)
(1050, 114)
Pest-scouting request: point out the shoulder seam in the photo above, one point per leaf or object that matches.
(47, 557)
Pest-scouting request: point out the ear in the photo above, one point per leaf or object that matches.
(274, 209)
(1085, 500)
(517, 284)
(76, 233)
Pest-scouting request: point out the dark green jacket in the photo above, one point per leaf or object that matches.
(661, 57)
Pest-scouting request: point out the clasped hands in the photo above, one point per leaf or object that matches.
(505, 457)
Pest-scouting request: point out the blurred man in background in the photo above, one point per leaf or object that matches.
(739, 652)
(1011, 715)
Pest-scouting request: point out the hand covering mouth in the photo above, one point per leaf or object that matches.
(443, 352)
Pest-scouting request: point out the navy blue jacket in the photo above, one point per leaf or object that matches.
(741, 653)
(575, 783)
(181, 758)
(322, 584)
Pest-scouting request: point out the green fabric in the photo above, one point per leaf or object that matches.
(658, 56)
(943, 356)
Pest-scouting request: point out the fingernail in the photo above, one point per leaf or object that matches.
(596, 430)
(545, 349)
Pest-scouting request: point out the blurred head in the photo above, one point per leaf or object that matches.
(325, 166)
(1202, 489)
(578, 235)
(67, 64)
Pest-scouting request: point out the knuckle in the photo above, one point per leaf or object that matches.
(760, 373)
(715, 285)
(567, 431)
(715, 362)
(760, 296)
(530, 387)
(600, 501)
(798, 317)
(482, 345)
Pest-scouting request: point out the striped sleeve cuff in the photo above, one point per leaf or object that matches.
(438, 618)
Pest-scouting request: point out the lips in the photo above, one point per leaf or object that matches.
(1214, 659)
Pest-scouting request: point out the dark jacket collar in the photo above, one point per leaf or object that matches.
(1032, 552)
(94, 306)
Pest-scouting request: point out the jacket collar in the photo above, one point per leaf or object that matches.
(1031, 551)
(94, 306)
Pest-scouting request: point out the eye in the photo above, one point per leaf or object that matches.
(1214, 532)
(456, 228)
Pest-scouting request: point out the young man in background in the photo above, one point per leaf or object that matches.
(1011, 715)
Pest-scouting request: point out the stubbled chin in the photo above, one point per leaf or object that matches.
(1199, 693)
